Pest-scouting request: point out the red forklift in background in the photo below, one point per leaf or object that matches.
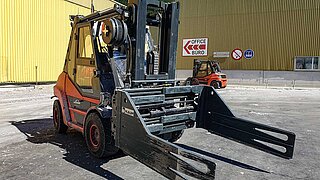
(209, 73)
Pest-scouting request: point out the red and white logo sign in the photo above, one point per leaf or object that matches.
(195, 47)
(237, 54)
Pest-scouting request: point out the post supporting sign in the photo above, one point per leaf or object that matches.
(195, 47)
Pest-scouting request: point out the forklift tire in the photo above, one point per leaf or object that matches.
(98, 136)
(58, 123)
(175, 136)
(215, 84)
(192, 81)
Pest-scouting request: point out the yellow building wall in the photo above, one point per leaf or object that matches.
(277, 30)
(36, 33)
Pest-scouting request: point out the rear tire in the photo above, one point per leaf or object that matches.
(58, 123)
(175, 136)
(215, 84)
(192, 81)
(98, 136)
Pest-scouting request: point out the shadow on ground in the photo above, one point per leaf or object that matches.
(223, 159)
(40, 131)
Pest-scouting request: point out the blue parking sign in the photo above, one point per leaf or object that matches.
(248, 54)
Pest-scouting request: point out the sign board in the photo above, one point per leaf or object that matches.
(248, 54)
(221, 54)
(237, 54)
(195, 47)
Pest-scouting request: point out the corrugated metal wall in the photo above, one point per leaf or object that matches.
(35, 33)
(277, 30)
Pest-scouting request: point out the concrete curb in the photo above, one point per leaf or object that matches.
(6, 88)
(236, 86)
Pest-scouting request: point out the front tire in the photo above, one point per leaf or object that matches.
(176, 136)
(215, 84)
(58, 123)
(98, 136)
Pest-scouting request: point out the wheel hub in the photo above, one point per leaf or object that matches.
(94, 136)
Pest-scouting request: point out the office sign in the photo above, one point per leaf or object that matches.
(195, 47)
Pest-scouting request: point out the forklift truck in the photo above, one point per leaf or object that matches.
(138, 108)
(207, 72)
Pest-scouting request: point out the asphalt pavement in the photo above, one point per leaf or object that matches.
(30, 149)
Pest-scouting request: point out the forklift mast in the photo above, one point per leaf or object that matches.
(146, 110)
(164, 17)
